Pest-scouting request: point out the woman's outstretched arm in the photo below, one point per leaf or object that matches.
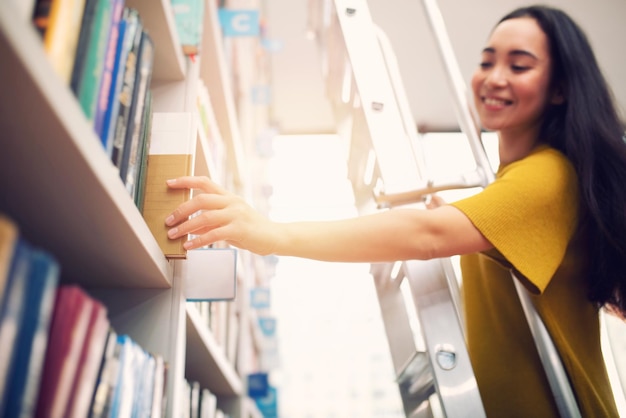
(390, 235)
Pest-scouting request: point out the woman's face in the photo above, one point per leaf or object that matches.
(512, 83)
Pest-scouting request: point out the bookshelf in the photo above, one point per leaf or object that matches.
(60, 187)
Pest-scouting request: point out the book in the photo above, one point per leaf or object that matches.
(194, 399)
(144, 141)
(132, 43)
(107, 377)
(208, 404)
(132, 143)
(94, 56)
(9, 232)
(84, 36)
(59, 22)
(70, 321)
(160, 384)
(106, 81)
(126, 29)
(171, 155)
(12, 312)
(32, 340)
(188, 15)
(89, 362)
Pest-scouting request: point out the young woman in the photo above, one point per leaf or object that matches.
(555, 216)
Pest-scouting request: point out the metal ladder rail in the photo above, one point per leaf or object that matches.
(379, 117)
(555, 371)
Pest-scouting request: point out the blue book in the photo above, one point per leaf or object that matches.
(116, 78)
(123, 391)
(12, 313)
(32, 339)
(106, 80)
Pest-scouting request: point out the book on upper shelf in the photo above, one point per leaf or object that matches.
(59, 23)
(133, 142)
(108, 68)
(9, 233)
(90, 55)
(171, 155)
(125, 84)
(188, 15)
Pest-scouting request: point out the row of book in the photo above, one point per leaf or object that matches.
(222, 319)
(60, 357)
(102, 51)
(199, 402)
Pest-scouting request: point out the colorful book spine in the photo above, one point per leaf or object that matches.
(132, 42)
(95, 56)
(106, 82)
(59, 21)
(32, 340)
(130, 156)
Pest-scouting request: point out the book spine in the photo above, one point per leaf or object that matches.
(94, 63)
(116, 84)
(130, 161)
(61, 35)
(125, 97)
(32, 342)
(102, 102)
(80, 56)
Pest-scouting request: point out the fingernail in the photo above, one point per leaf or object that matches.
(169, 220)
(188, 245)
(172, 232)
(170, 181)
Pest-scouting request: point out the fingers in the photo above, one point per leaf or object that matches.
(200, 224)
(206, 201)
(196, 182)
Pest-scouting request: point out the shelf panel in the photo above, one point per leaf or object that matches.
(158, 20)
(56, 180)
(206, 361)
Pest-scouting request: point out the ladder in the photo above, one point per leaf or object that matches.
(423, 321)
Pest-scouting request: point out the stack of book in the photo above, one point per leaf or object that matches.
(60, 357)
(101, 50)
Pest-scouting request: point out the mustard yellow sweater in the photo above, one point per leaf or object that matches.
(529, 214)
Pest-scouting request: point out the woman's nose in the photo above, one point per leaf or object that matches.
(496, 77)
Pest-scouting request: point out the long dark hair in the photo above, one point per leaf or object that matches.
(587, 129)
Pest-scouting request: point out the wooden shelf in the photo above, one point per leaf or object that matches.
(206, 361)
(56, 180)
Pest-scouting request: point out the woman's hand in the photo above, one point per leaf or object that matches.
(219, 216)
(433, 201)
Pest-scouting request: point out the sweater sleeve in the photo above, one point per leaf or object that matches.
(529, 214)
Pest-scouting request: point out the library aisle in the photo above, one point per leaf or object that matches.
(334, 358)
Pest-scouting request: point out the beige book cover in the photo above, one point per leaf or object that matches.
(171, 155)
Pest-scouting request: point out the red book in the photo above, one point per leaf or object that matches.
(68, 330)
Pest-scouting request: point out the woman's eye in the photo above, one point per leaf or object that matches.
(485, 65)
(519, 68)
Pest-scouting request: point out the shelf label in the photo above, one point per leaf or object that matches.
(239, 22)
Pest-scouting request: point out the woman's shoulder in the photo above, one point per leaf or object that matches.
(542, 163)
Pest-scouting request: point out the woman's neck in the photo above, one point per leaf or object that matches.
(514, 146)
